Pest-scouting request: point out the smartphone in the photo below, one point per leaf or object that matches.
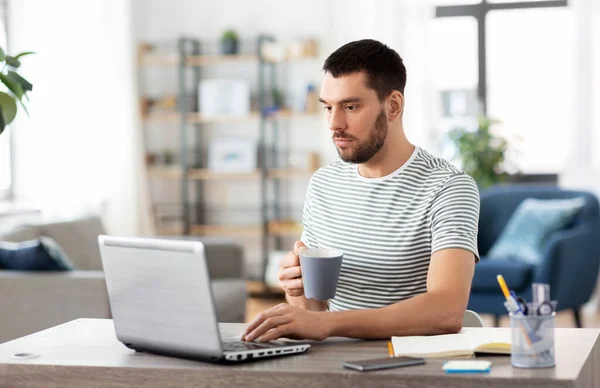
(382, 363)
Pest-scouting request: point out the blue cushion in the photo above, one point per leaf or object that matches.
(530, 225)
(517, 275)
(34, 255)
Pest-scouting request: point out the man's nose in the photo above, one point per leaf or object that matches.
(337, 120)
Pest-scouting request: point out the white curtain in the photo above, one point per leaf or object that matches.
(80, 151)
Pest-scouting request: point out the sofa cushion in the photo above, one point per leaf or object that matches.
(21, 233)
(43, 254)
(530, 225)
(517, 275)
(79, 239)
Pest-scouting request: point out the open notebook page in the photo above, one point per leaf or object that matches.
(462, 344)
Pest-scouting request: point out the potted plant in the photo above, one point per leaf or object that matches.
(17, 88)
(229, 42)
(482, 154)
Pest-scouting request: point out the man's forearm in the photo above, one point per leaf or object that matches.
(307, 304)
(425, 314)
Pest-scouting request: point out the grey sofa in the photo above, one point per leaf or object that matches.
(33, 301)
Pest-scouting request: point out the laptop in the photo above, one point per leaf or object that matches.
(161, 302)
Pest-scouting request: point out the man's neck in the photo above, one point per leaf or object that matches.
(393, 155)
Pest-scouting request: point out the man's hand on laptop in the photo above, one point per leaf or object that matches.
(287, 321)
(290, 274)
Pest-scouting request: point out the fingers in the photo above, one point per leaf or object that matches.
(294, 287)
(290, 260)
(289, 273)
(269, 324)
(261, 317)
(299, 246)
(278, 332)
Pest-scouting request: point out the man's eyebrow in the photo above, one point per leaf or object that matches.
(344, 101)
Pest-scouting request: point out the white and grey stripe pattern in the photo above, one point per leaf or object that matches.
(389, 227)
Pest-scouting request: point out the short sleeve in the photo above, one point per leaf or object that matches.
(454, 215)
(308, 237)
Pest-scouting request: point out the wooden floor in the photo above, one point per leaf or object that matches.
(563, 319)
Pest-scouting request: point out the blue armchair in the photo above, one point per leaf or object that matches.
(571, 256)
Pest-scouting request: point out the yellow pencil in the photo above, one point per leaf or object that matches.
(390, 349)
(503, 286)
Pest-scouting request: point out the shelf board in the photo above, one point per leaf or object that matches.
(212, 60)
(173, 172)
(170, 60)
(197, 118)
(206, 174)
(227, 230)
(276, 228)
(170, 230)
(167, 172)
(288, 173)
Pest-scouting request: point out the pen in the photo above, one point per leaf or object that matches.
(390, 349)
(513, 307)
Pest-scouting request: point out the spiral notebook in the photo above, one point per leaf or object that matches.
(466, 343)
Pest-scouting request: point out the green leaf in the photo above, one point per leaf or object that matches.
(23, 54)
(2, 125)
(12, 86)
(24, 108)
(25, 85)
(9, 108)
(12, 62)
(2, 55)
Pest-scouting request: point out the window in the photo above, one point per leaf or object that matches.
(518, 53)
(530, 78)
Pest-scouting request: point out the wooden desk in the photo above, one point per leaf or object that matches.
(86, 353)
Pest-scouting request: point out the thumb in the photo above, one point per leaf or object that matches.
(299, 246)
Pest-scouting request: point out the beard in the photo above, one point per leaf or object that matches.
(364, 150)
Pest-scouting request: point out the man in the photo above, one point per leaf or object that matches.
(405, 220)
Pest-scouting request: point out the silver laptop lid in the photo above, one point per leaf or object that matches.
(160, 295)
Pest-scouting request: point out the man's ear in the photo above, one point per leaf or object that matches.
(395, 105)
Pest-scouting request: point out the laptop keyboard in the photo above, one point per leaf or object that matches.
(241, 346)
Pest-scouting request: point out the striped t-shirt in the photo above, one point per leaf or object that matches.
(389, 227)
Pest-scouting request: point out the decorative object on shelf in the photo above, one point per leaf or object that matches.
(168, 156)
(224, 97)
(278, 99)
(229, 42)
(299, 49)
(482, 153)
(17, 88)
(279, 51)
(150, 158)
(311, 99)
(232, 155)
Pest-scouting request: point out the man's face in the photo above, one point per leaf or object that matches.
(355, 116)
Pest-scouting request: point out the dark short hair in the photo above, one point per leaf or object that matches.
(384, 67)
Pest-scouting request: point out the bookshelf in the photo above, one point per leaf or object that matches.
(273, 225)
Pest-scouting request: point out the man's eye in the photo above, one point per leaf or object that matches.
(351, 107)
(327, 108)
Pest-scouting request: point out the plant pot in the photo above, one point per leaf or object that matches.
(229, 47)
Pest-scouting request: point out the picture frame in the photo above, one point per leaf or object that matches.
(232, 155)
